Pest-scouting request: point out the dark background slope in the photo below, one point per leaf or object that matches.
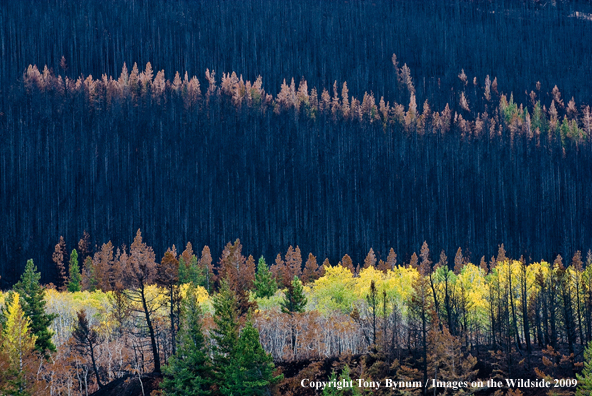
(275, 181)
(520, 42)
(271, 180)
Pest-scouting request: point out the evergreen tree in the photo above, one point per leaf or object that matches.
(294, 302)
(189, 370)
(370, 260)
(585, 378)
(84, 248)
(347, 262)
(32, 296)
(278, 269)
(265, 285)
(344, 379)
(294, 299)
(195, 274)
(251, 371)
(226, 331)
(331, 390)
(75, 277)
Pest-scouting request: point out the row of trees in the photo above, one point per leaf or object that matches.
(470, 114)
(538, 303)
(419, 320)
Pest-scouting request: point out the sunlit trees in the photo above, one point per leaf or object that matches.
(17, 356)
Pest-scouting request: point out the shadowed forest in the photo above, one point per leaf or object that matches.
(336, 127)
(211, 172)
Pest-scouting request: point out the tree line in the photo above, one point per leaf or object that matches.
(220, 328)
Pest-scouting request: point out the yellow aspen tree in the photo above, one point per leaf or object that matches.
(18, 343)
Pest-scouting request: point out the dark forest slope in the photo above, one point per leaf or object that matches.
(520, 42)
(332, 175)
(74, 159)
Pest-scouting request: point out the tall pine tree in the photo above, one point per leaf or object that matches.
(189, 370)
(226, 331)
(32, 296)
(251, 369)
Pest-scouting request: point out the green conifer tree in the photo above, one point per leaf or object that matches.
(75, 277)
(191, 272)
(182, 271)
(32, 296)
(344, 380)
(189, 370)
(226, 331)
(196, 274)
(585, 378)
(294, 302)
(294, 299)
(331, 390)
(251, 369)
(265, 285)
